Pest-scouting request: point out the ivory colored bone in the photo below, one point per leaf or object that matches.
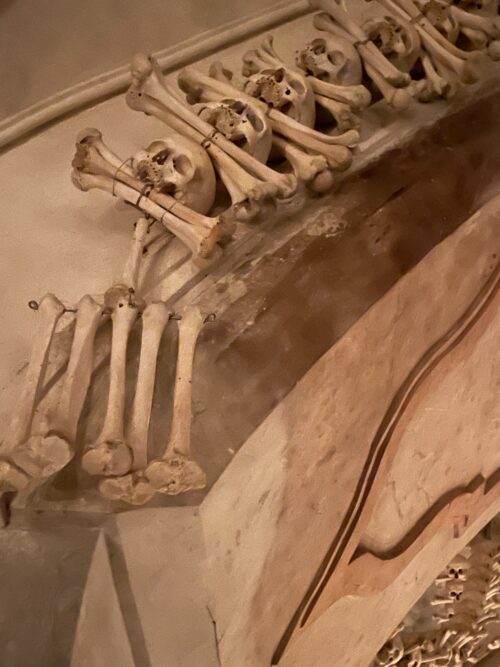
(335, 148)
(368, 51)
(202, 243)
(310, 169)
(11, 476)
(147, 80)
(89, 160)
(133, 489)
(434, 42)
(176, 471)
(110, 454)
(50, 310)
(154, 320)
(130, 277)
(341, 112)
(440, 85)
(246, 191)
(397, 98)
(45, 454)
(487, 24)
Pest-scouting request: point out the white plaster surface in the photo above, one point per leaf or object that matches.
(164, 561)
(101, 638)
(48, 45)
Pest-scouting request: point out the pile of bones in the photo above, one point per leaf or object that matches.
(258, 138)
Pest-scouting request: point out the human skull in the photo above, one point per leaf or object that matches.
(286, 90)
(331, 59)
(178, 166)
(244, 124)
(438, 13)
(397, 40)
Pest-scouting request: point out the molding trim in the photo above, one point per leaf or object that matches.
(322, 591)
(112, 82)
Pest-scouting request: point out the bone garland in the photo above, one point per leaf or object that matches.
(88, 160)
(397, 39)
(147, 80)
(334, 148)
(257, 139)
(243, 124)
(247, 192)
(46, 453)
(201, 242)
(393, 93)
(178, 166)
(176, 471)
(344, 26)
(154, 319)
(110, 454)
(438, 47)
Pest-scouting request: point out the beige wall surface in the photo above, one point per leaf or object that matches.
(49, 45)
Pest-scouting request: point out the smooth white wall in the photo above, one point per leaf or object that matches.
(49, 45)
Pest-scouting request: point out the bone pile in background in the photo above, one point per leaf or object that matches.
(457, 622)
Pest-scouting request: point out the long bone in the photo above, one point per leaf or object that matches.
(154, 320)
(90, 158)
(338, 156)
(397, 97)
(342, 113)
(110, 454)
(477, 38)
(310, 169)
(202, 243)
(357, 97)
(50, 310)
(134, 488)
(368, 51)
(434, 42)
(440, 85)
(264, 62)
(487, 24)
(269, 56)
(176, 471)
(47, 452)
(246, 191)
(147, 79)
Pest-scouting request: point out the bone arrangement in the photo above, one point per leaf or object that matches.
(234, 147)
(457, 621)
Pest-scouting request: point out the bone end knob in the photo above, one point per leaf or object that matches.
(43, 456)
(132, 489)
(112, 457)
(175, 474)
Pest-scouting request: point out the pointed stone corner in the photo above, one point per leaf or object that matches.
(101, 637)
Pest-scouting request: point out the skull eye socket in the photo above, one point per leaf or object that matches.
(319, 49)
(279, 75)
(182, 165)
(161, 157)
(336, 58)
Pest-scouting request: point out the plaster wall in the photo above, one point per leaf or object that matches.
(49, 45)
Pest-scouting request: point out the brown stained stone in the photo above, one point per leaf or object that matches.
(303, 298)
